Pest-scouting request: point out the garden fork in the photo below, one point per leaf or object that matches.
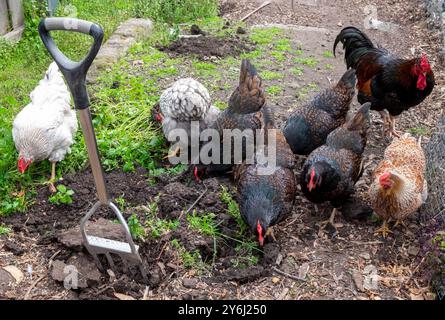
(75, 75)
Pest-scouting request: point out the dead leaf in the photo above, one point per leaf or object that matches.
(304, 269)
(15, 272)
(122, 296)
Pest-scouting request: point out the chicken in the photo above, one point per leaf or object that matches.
(45, 128)
(398, 186)
(390, 83)
(265, 198)
(308, 127)
(185, 101)
(247, 109)
(331, 171)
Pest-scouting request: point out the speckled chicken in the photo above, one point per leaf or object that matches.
(267, 192)
(247, 109)
(399, 188)
(308, 127)
(185, 101)
(45, 128)
(331, 171)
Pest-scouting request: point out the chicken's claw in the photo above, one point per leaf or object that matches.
(384, 230)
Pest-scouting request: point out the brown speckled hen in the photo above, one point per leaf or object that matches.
(399, 188)
(247, 110)
(266, 195)
(308, 127)
(331, 171)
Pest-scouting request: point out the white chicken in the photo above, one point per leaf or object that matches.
(45, 128)
(185, 101)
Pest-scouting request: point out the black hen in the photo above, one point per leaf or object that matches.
(331, 171)
(308, 127)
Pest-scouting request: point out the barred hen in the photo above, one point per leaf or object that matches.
(331, 171)
(390, 83)
(308, 127)
(247, 110)
(267, 194)
(45, 128)
(399, 188)
(184, 101)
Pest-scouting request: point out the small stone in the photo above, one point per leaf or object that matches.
(241, 30)
(340, 24)
(275, 280)
(365, 255)
(189, 283)
(413, 250)
(15, 273)
(358, 280)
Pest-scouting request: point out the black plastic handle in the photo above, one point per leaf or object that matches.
(74, 72)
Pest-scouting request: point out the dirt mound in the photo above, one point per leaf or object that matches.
(208, 46)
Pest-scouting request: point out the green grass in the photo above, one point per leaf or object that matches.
(4, 230)
(265, 36)
(298, 71)
(205, 69)
(271, 75)
(190, 260)
(310, 61)
(420, 131)
(174, 11)
(136, 228)
(329, 66)
(328, 54)
(274, 90)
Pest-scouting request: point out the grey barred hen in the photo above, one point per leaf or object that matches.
(308, 127)
(184, 101)
(331, 171)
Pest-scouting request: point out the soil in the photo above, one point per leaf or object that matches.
(333, 265)
(205, 47)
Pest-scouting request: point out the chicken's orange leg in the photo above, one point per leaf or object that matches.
(174, 152)
(52, 179)
(384, 229)
(386, 122)
(330, 221)
(392, 127)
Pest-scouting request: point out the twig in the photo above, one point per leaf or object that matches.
(32, 286)
(265, 4)
(287, 275)
(187, 36)
(194, 203)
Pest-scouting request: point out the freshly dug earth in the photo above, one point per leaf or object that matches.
(207, 47)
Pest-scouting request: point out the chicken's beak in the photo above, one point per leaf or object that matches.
(22, 165)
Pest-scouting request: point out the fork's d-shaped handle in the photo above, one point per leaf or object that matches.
(75, 74)
(74, 71)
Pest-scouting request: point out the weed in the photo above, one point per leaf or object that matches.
(233, 209)
(419, 131)
(274, 90)
(328, 54)
(310, 62)
(62, 196)
(136, 229)
(265, 36)
(190, 260)
(204, 224)
(297, 71)
(279, 56)
(271, 75)
(4, 229)
(329, 66)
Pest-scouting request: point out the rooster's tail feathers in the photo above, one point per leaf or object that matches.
(355, 42)
(249, 96)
